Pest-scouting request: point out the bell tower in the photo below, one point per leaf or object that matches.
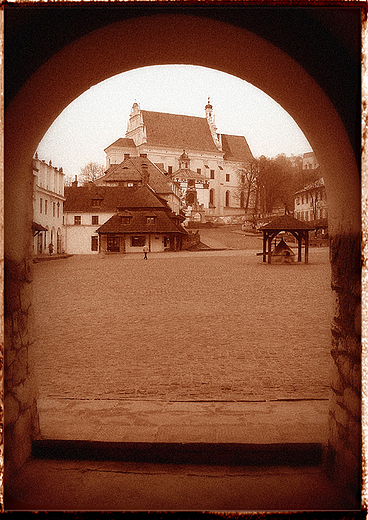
(211, 123)
(136, 129)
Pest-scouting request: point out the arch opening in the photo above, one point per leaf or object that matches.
(251, 59)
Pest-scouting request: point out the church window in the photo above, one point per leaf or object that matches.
(58, 209)
(212, 197)
(94, 243)
(40, 205)
(242, 199)
(199, 171)
(191, 183)
(94, 220)
(53, 209)
(45, 207)
(212, 174)
(77, 220)
(228, 177)
(227, 199)
(170, 169)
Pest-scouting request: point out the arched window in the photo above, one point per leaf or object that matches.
(212, 197)
(227, 199)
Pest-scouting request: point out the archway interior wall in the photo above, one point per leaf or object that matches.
(164, 40)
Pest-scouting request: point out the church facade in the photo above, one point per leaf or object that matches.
(191, 153)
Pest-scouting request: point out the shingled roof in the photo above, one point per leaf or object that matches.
(137, 223)
(130, 170)
(81, 199)
(178, 131)
(286, 223)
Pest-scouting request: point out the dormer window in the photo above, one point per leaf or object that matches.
(125, 219)
(96, 202)
(150, 220)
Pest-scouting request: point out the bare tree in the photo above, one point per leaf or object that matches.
(247, 184)
(90, 172)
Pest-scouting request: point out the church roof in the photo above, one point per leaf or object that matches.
(163, 223)
(130, 170)
(123, 141)
(82, 199)
(178, 131)
(236, 148)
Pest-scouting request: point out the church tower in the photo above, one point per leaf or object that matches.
(136, 129)
(211, 123)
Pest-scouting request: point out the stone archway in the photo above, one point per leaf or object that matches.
(163, 39)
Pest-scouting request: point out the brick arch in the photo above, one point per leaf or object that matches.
(163, 39)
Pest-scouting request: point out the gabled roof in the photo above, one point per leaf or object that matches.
(236, 148)
(80, 199)
(130, 170)
(178, 131)
(286, 223)
(138, 223)
(123, 141)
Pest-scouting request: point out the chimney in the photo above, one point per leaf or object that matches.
(126, 156)
(75, 182)
(145, 174)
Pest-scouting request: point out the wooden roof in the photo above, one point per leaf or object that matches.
(163, 223)
(286, 223)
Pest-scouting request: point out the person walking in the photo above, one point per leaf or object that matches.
(145, 251)
(51, 248)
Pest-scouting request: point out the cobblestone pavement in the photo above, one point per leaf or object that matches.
(212, 325)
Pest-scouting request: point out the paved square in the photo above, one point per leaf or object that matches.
(212, 325)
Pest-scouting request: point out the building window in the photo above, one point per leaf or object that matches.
(170, 169)
(138, 241)
(212, 197)
(227, 199)
(191, 183)
(58, 209)
(40, 205)
(125, 220)
(199, 171)
(212, 174)
(130, 184)
(77, 220)
(53, 209)
(96, 202)
(242, 202)
(45, 207)
(228, 177)
(94, 220)
(150, 220)
(94, 243)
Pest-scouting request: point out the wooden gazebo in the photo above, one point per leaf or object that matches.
(300, 230)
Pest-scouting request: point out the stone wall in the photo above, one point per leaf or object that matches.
(343, 453)
(20, 418)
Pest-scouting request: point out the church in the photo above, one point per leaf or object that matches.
(193, 155)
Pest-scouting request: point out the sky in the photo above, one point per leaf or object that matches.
(99, 117)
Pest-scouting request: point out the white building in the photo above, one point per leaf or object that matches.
(48, 201)
(310, 203)
(214, 157)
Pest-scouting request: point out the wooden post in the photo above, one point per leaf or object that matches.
(269, 248)
(264, 245)
(300, 237)
(306, 245)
